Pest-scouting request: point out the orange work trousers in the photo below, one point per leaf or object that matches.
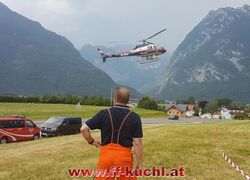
(114, 159)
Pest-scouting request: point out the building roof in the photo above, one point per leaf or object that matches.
(180, 107)
(236, 108)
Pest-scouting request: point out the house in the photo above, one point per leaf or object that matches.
(216, 115)
(190, 110)
(225, 113)
(181, 110)
(221, 113)
(174, 109)
(235, 111)
(133, 103)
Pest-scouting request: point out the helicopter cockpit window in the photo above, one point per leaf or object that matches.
(150, 47)
(135, 47)
(154, 47)
(138, 46)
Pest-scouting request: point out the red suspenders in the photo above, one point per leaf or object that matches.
(112, 126)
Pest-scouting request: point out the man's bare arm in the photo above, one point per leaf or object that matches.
(87, 136)
(138, 147)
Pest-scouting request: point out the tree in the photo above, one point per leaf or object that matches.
(247, 109)
(202, 104)
(224, 102)
(181, 101)
(236, 105)
(59, 99)
(147, 103)
(212, 106)
(190, 100)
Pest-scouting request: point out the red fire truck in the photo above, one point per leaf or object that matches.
(17, 128)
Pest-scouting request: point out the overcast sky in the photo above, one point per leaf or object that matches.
(101, 21)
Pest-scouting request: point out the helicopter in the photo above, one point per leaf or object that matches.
(148, 51)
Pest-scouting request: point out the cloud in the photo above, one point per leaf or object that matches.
(100, 21)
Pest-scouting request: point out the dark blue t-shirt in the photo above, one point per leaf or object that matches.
(132, 127)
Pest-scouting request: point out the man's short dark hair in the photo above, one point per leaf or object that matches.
(122, 95)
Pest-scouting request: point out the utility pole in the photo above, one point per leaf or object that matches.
(111, 97)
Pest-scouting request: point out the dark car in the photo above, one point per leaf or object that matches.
(173, 117)
(55, 126)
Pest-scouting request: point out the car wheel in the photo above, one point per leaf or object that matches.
(36, 137)
(77, 131)
(4, 141)
(59, 134)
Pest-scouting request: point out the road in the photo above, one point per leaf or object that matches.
(157, 121)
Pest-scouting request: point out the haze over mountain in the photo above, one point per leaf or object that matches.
(127, 71)
(213, 60)
(35, 61)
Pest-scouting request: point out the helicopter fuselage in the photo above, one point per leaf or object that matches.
(147, 52)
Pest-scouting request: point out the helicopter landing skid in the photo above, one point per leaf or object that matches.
(149, 61)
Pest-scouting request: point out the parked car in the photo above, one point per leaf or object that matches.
(173, 117)
(17, 128)
(55, 126)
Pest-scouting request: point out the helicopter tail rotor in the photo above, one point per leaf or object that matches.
(103, 55)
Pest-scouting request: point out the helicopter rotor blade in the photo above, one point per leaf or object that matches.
(148, 42)
(119, 42)
(145, 41)
(155, 34)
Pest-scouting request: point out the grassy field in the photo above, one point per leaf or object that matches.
(194, 147)
(44, 111)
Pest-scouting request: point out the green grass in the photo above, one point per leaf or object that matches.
(44, 111)
(195, 147)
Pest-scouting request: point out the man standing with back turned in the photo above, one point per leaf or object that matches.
(120, 129)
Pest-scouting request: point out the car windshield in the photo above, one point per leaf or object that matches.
(55, 120)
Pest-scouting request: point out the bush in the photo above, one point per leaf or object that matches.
(240, 116)
(247, 109)
(161, 108)
(196, 111)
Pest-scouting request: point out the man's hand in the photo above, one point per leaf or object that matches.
(139, 166)
(87, 136)
(97, 144)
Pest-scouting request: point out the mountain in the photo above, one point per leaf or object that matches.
(126, 71)
(213, 60)
(35, 61)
